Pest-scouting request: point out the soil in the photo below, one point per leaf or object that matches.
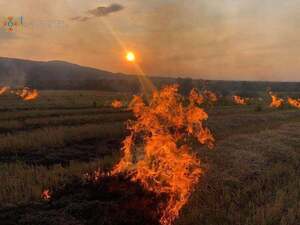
(114, 200)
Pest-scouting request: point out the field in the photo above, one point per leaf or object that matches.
(250, 177)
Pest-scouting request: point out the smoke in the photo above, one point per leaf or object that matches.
(100, 12)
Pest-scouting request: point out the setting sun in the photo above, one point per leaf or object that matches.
(130, 56)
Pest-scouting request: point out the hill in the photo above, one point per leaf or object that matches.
(65, 76)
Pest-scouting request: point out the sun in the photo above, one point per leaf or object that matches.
(130, 56)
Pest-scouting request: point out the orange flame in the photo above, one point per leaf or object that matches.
(3, 90)
(28, 94)
(240, 100)
(210, 96)
(294, 102)
(117, 104)
(156, 152)
(276, 101)
(46, 195)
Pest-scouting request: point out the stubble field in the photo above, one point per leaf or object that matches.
(250, 177)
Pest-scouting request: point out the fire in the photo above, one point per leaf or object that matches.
(3, 90)
(294, 102)
(130, 56)
(276, 101)
(210, 96)
(46, 195)
(116, 104)
(239, 100)
(28, 94)
(157, 152)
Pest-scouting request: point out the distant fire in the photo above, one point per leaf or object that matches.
(117, 104)
(157, 151)
(294, 102)
(3, 90)
(210, 96)
(240, 100)
(46, 195)
(276, 101)
(28, 94)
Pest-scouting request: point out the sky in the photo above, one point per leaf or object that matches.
(208, 39)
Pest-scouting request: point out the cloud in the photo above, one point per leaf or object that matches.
(106, 10)
(99, 12)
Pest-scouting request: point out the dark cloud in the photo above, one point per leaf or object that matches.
(105, 10)
(80, 18)
(99, 12)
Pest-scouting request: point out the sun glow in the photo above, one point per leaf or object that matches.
(130, 56)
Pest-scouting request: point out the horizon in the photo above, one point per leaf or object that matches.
(153, 76)
(228, 40)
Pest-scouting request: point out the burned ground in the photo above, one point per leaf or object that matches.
(113, 200)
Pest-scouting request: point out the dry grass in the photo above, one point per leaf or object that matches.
(21, 183)
(63, 120)
(57, 136)
(250, 179)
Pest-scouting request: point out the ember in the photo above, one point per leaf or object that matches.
(116, 104)
(46, 195)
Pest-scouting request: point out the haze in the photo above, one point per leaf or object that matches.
(211, 39)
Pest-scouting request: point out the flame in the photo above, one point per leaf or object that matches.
(240, 100)
(3, 90)
(294, 102)
(116, 104)
(196, 97)
(276, 101)
(46, 195)
(156, 152)
(210, 96)
(28, 94)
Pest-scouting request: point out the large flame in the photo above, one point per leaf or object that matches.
(157, 152)
(294, 102)
(117, 104)
(276, 101)
(240, 100)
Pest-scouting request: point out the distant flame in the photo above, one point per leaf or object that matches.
(210, 96)
(46, 195)
(157, 151)
(240, 100)
(294, 102)
(3, 90)
(117, 104)
(276, 101)
(28, 94)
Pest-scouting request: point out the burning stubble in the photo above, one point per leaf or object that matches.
(152, 153)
